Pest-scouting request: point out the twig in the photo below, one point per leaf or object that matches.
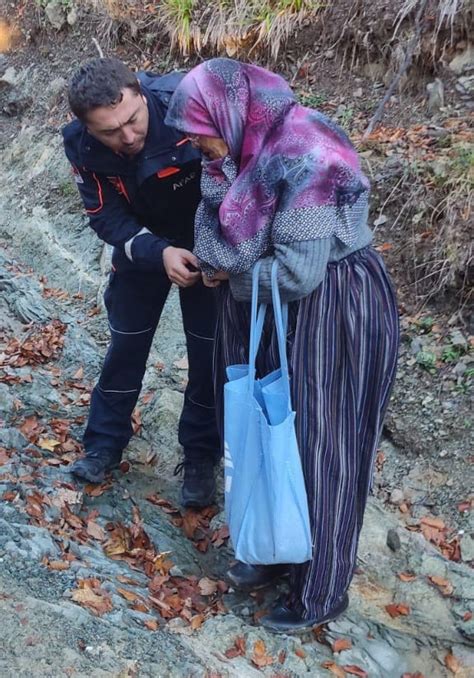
(99, 48)
(406, 63)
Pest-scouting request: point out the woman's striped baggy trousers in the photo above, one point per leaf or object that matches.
(342, 348)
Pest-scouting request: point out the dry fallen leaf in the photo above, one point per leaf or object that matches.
(57, 565)
(355, 671)
(96, 600)
(341, 644)
(232, 652)
(127, 580)
(452, 663)
(207, 586)
(151, 624)
(192, 520)
(71, 519)
(119, 541)
(396, 610)
(95, 531)
(260, 657)
(431, 521)
(163, 564)
(197, 621)
(49, 444)
(406, 576)
(65, 496)
(220, 536)
(79, 374)
(444, 585)
(96, 490)
(129, 595)
(334, 668)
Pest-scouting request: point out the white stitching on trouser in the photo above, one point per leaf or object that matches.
(198, 336)
(113, 390)
(208, 407)
(149, 329)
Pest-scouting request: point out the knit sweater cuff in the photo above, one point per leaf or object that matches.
(301, 268)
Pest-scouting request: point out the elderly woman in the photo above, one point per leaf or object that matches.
(281, 181)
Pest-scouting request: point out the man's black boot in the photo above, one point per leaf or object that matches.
(199, 482)
(94, 466)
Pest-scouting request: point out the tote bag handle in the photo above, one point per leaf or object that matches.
(257, 318)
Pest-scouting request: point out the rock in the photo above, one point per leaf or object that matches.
(72, 16)
(467, 548)
(139, 451)
(463, 61)
(218, 521)
(393, 540)
(6, 400)
(460, 368)
(27, 541)
(416, 345)
(396, 497)
(458, 339)
(56, 14)
(11, 438)
(9, 78)
(56, 87)
(435, 95)
(465, 86)
(162, 416)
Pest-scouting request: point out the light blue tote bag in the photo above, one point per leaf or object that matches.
(265, 494)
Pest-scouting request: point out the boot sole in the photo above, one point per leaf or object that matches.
(197, 504)
(288, 631)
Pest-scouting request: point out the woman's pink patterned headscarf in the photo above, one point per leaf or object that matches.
(291, 173)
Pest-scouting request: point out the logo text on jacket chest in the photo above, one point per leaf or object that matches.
(183, 181)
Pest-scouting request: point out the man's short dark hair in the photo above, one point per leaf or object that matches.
(99, 82)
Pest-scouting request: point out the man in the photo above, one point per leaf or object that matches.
(139, 181)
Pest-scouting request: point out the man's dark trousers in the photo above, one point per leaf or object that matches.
(134, 300)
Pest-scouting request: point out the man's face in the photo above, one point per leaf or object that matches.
(122, 126)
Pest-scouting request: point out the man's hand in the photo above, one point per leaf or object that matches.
(216, 279)
(177, 263)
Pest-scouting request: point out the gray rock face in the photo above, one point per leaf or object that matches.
(463, 61)
(162, 416)
(56, 14)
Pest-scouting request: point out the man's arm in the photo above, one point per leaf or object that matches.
(114, 222)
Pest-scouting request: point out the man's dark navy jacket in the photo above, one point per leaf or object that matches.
(142, 204)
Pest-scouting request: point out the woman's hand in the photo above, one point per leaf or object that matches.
(216, 279)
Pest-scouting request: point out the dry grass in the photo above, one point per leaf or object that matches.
(360, 30)
(233, 27)
(429, 201)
